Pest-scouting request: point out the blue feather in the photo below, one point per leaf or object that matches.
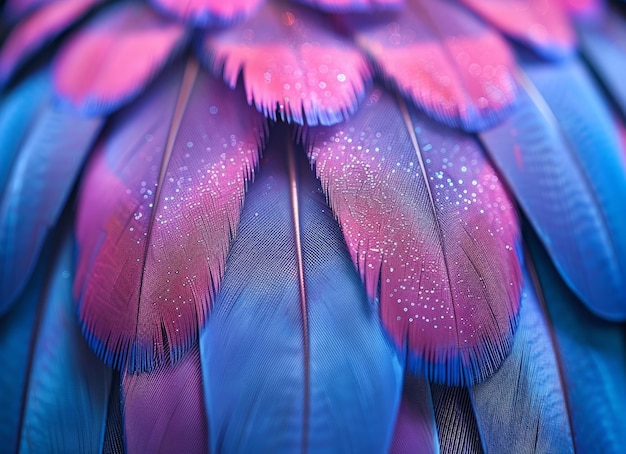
(522, 408)
(302, 357)
(16, 339)
(38, 184)
(64, 385)
(114, 430)
(561, 156)
(604, 47)
(593, 358)
(17, 114)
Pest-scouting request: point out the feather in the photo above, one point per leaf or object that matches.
(113, 59)
(415, 429)
(16, 9)
(456, 421)
(289, 273)
(291, 62)
(114, 430)
(593, 358)
(583, 9)
(522, 408)
(65, 385)
(431, 230)
(293, 353)
(561, 157)
(16, 342)
(31, 34)
(208, 12)
(159, 204)
(540, 24)
(41, 176)
(18, 112)
(164, 410)
(355, 5)
(603, 45)
(434, 53)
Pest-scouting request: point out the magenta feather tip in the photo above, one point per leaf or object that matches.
(292, 66)
(429, 227)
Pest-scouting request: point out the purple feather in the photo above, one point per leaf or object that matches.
(159, 206)
(114, 58)
(164, 410)
(291, 63)
(432, 232)
(443, 59)
(415, 429)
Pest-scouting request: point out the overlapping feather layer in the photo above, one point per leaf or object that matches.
(426, 121)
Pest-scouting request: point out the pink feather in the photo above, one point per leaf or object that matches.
(115, 57)
(444, 60)
(160, 203)
(290, 61)
(542, 24)
(37, 29)
(582, 8)
(432, 231)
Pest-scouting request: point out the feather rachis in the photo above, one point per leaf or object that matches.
(340, 320)
(179, 190)
(392, 216)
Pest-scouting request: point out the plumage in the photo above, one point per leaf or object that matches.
(432, 235)
(114, 430)
(207, 12)
(603, 43)
(291, 64)
(591, 352)
(62, 385)
(289, 272)
(52, 151)
(450, 75)
(125, 48)
(41, 27)
(523, 407)
(416, 428)
(17, 115)
(456, 421)
(18, 8)
(588, 123)
(355, 5)
(540, 24)
(226, 300)
(164, 410)
(154, 242)
(565, 171)
(16, 338)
